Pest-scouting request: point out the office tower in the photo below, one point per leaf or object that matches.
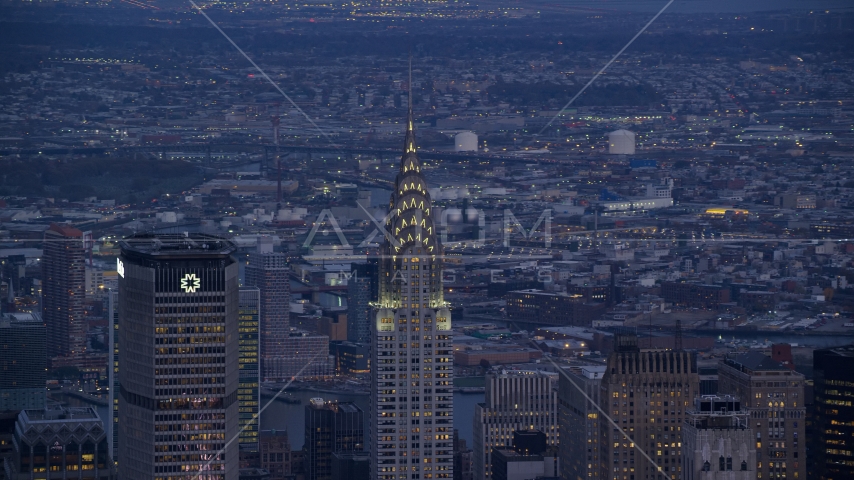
(514, 400)
(351, 357)
(526, 458)
(834, 413)
(717, 441)
(774, 396)
(361, 292)
(412, 408)
(23, 362)
(306, 356)
(59, 443)
(63, 272)
(112, 423)
(351, 466)
(179, 357)
(647, 394)
(330, 427)
(269, 272)
(248, 390)
(275, 453)
(578, 418)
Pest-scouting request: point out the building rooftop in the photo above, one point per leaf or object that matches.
(20, 319)
(50, 415)
(524, 372)
(755, 361)
(65, 230)
(844, 351)
(177, 244)
(346, 407)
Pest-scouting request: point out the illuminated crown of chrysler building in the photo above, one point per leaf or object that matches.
(412, 364)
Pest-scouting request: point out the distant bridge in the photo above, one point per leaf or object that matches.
(208, 150)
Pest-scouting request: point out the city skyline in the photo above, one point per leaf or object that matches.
(616, 243)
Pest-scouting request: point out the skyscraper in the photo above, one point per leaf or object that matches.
(178, 409)
(578, 418)
(717, 441)
(412, 409)
(773, 394)
(113, 375)
(248, 392)
(515, 400)
(268, 271)
(306, 356)
(330, 427)
(63, 290)
(647, 394)
(22, 362)
(834, 413)
(361, 292)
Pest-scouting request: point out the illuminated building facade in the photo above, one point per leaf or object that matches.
(411, 423)
(773, 395)
(578, 418)
(248, 392)
(269, 271)
(306, 356)
(515, 400)
(538, 308)
(178, 408)
(834, 412)
(63, 290)
(647, 393)
(112, 423)
(59, 443)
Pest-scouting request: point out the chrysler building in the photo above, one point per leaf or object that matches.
(412, 417)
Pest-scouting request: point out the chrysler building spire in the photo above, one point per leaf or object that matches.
(412, 418)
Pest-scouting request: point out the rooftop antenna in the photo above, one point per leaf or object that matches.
(409, 97)
(678, 342)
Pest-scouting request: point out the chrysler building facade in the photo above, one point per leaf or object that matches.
(412, 356)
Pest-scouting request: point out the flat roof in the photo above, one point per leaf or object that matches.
(170, 245)
(756, 361)
(62, 413)
(844, 351)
